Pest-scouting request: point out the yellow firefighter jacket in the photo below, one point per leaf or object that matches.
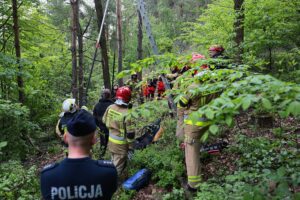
(115, 120)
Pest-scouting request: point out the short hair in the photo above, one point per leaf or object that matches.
(106, 94)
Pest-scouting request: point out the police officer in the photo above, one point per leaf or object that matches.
(121, 134)
(98, 113)
(193, 131)
(78, 176)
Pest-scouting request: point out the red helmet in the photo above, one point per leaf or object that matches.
(124, 93)
(217, 48)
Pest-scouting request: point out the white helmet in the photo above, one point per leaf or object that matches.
(69, 105)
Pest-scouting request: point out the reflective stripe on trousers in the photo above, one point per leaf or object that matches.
(117, 140)
(200, 121)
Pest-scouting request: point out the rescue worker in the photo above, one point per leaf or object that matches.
(150, 89)
(132, 83)
(193, 131)
(69, 108)
(180, 109)
(160, 88)
(121, 134)
(98, 112)
(216, 52)
(78, 176)
(145, 89)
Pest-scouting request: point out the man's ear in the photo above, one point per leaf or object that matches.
(66, 137)
(94, 139)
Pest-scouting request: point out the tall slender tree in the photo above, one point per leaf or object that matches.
(18, 51)
(74, 5)
(119, 38)
(239, 28)
(103, 45)
(140, 41)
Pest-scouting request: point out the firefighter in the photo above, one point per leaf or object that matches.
(132, 83)
(69, 109)
(193, 131)
(180, 109)
(216, 52)
(151, 89)
(160, 88)
(121, 134)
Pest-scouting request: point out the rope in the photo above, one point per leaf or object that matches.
(95, 53)
(101, 27)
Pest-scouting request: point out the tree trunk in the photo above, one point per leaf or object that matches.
(119, 38)
(140, 42)
(270, 59)
(80, 66)
(74, 4)
(105, 63)
(239, 28)
(18, 52)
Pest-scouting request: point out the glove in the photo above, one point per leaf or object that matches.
(131, 135)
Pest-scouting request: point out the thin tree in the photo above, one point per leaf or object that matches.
(140, 41)
(81, 94)
(119, 38)
(105, 63)
(239, 28)
(74, 5)
(18, 51)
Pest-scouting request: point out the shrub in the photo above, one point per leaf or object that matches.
(19, 183)
(16, 130)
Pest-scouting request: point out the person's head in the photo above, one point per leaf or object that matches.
(174, 69)
(81, 131)
(69, 105)
(115, 88)
(124, 94)
(134, 77)
(215, 50)
(197, 56)
(105, 94)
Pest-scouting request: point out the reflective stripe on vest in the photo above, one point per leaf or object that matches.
(200, 121)
(184, 100)
(117, 140)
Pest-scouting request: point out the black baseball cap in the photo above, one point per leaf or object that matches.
(82, 124)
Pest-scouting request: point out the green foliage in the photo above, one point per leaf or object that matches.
(19, 183)
(270, 32)
(176, 194)
(163, 158)
(122, 194)
(266, 169)
(15, 130)
(242, 90)
(148, 112)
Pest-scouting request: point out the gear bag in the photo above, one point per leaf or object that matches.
(138, 180)
(148, 134)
